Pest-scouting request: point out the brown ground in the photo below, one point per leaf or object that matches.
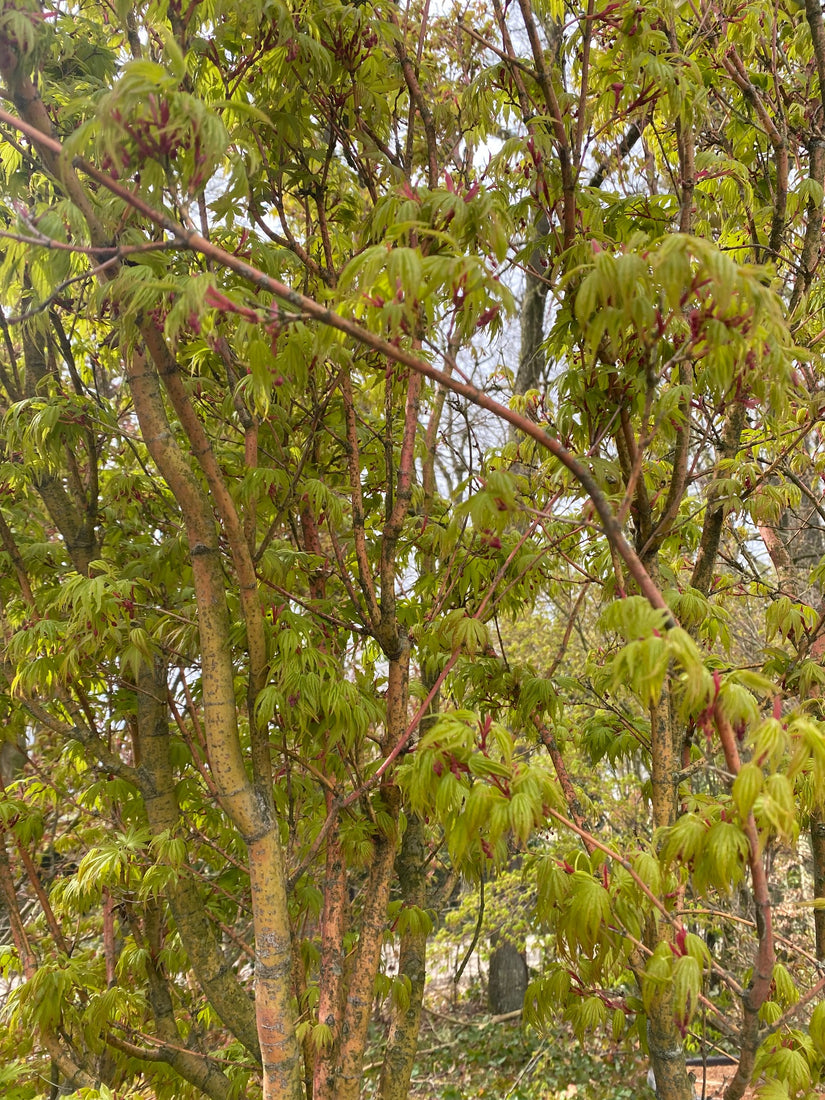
(717, 1080)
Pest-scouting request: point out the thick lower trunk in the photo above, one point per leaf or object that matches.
(215, 976)
(667, 1055)
(274, 1009)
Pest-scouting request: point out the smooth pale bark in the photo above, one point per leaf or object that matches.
(531, 364)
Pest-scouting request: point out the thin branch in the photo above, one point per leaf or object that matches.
(417, 97)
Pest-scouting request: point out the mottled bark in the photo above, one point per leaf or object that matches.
(702, 577)
(157, 783)
(667, 1054)
(405, 1023)
(368, 955)
(665, 764)
(531, 363)
(250, 814)
(331, 980)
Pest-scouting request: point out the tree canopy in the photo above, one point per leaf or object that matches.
(410, 468)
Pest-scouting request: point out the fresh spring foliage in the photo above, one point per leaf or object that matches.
(318, 599)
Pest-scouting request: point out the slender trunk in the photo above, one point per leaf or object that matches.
(665, 764)
(818, 849)
(667, 1053)
(368, 955)
(332, 968)
(402, 1041)
(711, 537)
(531, 361)
(759, 987)
(191, 1066)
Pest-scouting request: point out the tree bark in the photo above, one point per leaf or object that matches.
(531, 364)
(818, 853)
(405, 1024)
(667, 1053)
(250, 814)
(213, 971)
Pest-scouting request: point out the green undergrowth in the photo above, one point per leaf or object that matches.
(463, 1056)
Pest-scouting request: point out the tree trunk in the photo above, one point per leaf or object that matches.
(667, 1054)
(215, 975)
(402, 1041)
(818, 851)
(531, 357)
(507, 979)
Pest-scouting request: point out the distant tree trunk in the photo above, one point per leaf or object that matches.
(818, 851)
(795, 545)
(531, 357)
(507, 981)
(12, 761)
